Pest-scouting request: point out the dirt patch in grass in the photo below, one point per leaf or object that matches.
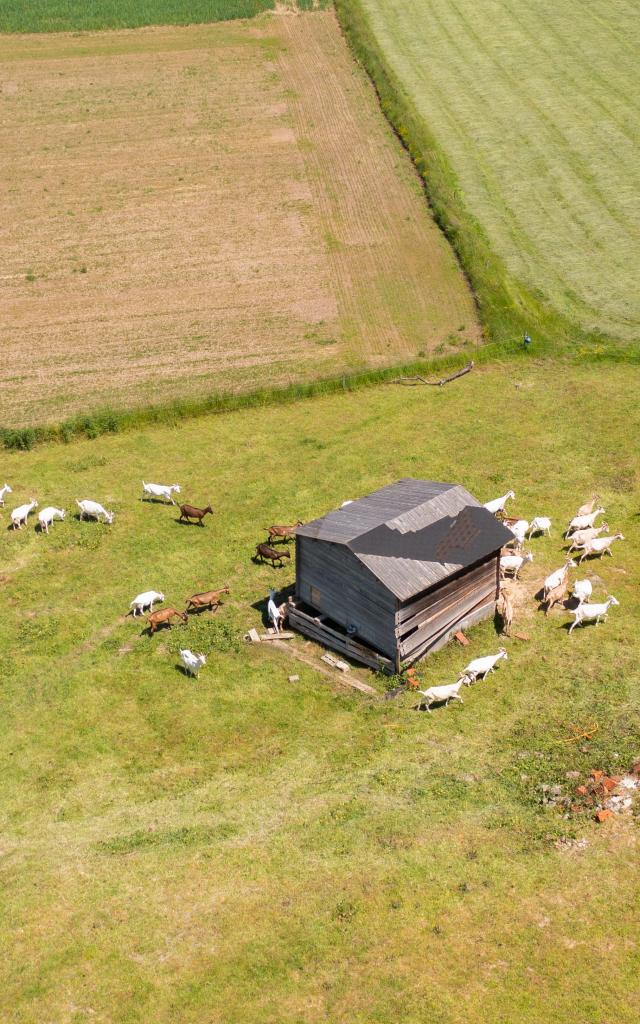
(205, 208)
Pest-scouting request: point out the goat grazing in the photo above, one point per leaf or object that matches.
(588, 507)
(160, 491)
(191, 513)
(540, 524)
(210, 599)
(580, 537)
(5, 490)
(513, 564)
(584, 522)
(283, 533)
(498, 504)
(94, 510)
(557, 577)
(482, 666)
(47, 515)
(504, 607)
(145, 600)
(519, 530)
(582, 590)
(556, 594)
(20, 514)
(163, 617)
(268, 554)
(591, 613)
(192, 662)
(440, 694)
(599, 546)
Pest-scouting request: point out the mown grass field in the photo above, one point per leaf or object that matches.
(203, 210)
(244, 849)
(526, 125)
(74, 15)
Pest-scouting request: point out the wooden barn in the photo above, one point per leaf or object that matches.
(390, 577)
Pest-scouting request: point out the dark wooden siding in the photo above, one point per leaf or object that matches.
(345, 591)
(421, 622)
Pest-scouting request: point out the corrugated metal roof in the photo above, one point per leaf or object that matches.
(414, 533)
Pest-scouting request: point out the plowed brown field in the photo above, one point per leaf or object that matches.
(186, 210)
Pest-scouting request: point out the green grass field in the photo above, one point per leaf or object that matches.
(245, 849)
(74, 15)
(524, 119)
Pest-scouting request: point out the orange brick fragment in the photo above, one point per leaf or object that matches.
(603, 815)
(596, 776)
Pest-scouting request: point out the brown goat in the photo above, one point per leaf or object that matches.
(163, 617)
(210, 599)
(194, 514)
(504, 608)
(284, 533)
(268, 554)
(557, 594)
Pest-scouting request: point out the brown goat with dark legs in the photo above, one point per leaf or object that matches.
(191, 513)
(284, 533)
(163, 617)
(268, 554)
(209, 599)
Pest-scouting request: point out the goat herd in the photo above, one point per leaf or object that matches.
(584, 536)
(144, 602)
(582, 533)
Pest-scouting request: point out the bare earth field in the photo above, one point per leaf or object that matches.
(185, 210)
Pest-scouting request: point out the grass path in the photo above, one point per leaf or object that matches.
(242, 849)
(536, 109)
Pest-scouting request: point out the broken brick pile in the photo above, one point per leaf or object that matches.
(601, 795)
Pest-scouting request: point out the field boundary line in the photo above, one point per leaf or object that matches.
(109, 421)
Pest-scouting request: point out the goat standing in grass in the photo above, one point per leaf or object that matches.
(498, 504)
(591, 613)
(20, 514)
(482, 666)
(440, 694)
(599, 546)
(584, 522)
(4, 490)
(504, 607)
(165, 491)
(47, 516)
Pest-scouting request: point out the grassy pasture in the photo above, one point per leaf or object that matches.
(74, 15)
(523, 118)
(243, 849)
(203, 210)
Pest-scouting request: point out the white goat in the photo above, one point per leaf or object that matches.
(94, 510)
(160, 491)
(582, 590)
(438, 694)
(519, 530)
(47, 515)
(20, 514)
(584, 522)
(498, 504)
(599, 546)
(482, 666)
(591, 612)
(273, 611)
(556, 577)
(145, 600)
(5, 490)
(192, 662)
(580, 537)
(513, 563)
(540, 524)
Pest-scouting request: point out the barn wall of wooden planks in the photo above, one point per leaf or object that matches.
(337, 588)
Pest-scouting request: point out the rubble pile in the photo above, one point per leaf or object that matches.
(601, 795)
